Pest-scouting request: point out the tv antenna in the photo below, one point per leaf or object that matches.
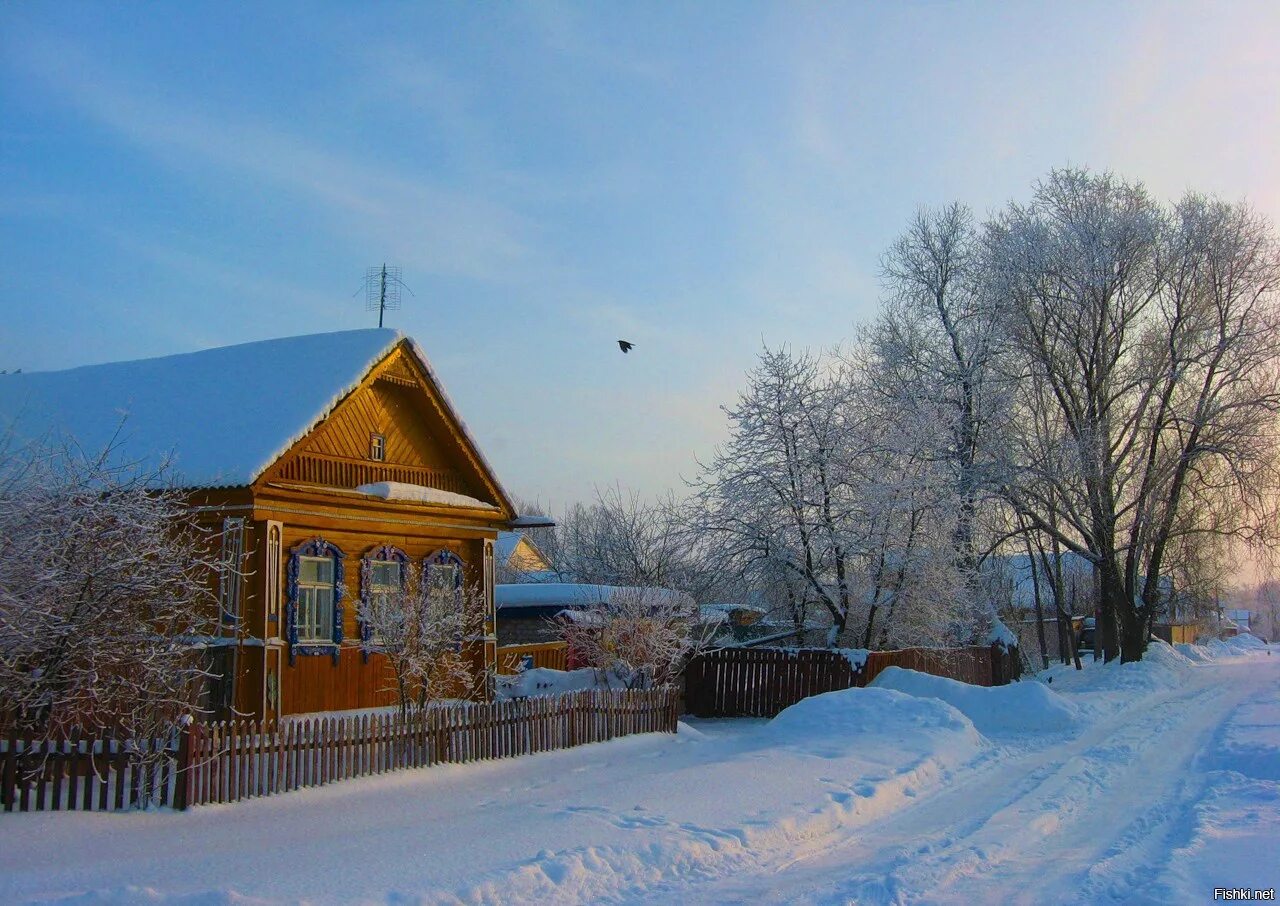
(382, 287)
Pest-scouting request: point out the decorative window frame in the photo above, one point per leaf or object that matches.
(316, 547)
(384, 553)
(446, 557)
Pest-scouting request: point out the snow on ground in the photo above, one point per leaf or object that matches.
(1016, 708)
(1164, 783)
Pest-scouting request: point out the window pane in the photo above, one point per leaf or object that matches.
(324, 615)
(385, 574)
(442, 576)
(316, 570)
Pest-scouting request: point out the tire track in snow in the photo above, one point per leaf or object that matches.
(1093, 817)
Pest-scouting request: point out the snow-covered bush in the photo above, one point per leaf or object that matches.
(420, 631)
(106, 583)
(644, 635)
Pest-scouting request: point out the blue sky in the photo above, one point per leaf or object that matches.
(697, 178)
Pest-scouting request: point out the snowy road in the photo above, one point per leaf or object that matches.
(1143, 783)
(1096, 819)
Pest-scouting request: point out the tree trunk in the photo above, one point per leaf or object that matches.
(1133, 634)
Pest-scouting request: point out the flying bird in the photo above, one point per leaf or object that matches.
(625, 346)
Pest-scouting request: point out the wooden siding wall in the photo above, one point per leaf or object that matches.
(419, 446)
(315, 682)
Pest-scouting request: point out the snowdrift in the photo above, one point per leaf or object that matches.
(1162, 667)
(1016, 708)
(545, 681)
(836, 724)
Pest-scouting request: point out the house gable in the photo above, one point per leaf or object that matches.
(424, 443)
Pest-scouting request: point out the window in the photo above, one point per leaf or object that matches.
(442, 583)
(384, 581)
(443, 577)
(313, 614)
(377, 447)
(315, 599)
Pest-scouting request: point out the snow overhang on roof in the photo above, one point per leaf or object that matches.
(415, 493)
(522, 522)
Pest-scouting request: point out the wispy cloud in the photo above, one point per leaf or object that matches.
(420, 222)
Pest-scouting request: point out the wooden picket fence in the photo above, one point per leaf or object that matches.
(83, 773)
(760, 682)
(229, 761)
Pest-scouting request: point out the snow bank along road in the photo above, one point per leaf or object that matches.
(1153, 782)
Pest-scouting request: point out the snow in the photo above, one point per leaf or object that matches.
(1165, 784)
(546, 681)
(1000, 634)
(1018, 708)
(857, 657)
(223, 414)
(838, 724)
(416, 493)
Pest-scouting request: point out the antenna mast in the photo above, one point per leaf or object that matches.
(382, 287)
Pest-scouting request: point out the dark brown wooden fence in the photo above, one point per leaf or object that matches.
(229, 761)
(760, 682)
(83, 774)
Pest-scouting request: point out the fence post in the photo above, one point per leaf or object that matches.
(182, 772)
(8, 772)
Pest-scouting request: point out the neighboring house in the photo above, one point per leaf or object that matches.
(518, 559)
(527, 612)
(1013, 584)
(333, 463)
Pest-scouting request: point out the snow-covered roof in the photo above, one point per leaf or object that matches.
(505, 544)
(221, 416)
(570, 594)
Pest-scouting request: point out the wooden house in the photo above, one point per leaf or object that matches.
(518, 559)
(330, 464)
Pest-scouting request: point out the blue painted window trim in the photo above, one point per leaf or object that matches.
(384, 552)
(316, 547)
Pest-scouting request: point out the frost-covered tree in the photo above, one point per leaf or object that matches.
(640, 637)
(106, 589)
(622, 539)
(419, 629)
(1144, 341)
(935, 358)
(822, 481)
